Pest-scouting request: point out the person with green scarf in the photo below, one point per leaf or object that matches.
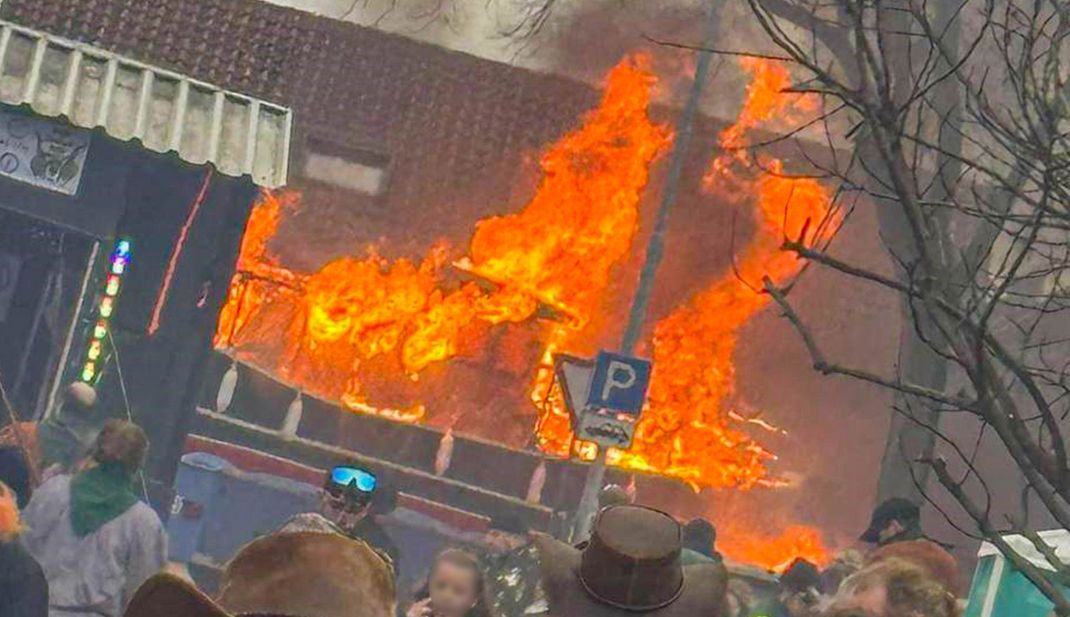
(94, 538)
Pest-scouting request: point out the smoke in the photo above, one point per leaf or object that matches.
(477, 27)
(579, 39)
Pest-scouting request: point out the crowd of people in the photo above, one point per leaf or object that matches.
(80, 541)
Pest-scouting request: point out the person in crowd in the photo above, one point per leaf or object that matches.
(23, 588)
(798, 592)
(23, 437)
(610, 495)
(893, 588)
(63, 437)
(940, 565)
(455, 587)
(360, 513)
(800, 589)
(845, 564)
(94, 538)
(740, 597)
(513, 568)
(630, 567)
(894, 520)
(15, 473)
(613, 495)
(699, 540)
(294, 571)
(895, 528)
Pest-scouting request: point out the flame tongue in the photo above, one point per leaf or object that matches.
(583, 217)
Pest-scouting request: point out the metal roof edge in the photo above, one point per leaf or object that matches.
(165, 111)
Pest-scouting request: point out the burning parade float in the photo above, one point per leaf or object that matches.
(391, 338)
(460, 309)
(453, 226)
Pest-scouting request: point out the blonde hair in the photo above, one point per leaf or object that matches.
(910, 589)
(10, 525)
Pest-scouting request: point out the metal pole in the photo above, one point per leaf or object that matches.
(596, 473)
(35, 326)
(57, 379)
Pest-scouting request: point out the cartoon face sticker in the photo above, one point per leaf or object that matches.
(57, 156)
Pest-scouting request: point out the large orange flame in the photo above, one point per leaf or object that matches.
(743, 544)
(689, 430)
(557, 252)
(582, 220)
(368, 318)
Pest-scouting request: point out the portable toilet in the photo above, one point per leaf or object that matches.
(198, 488)
(1001, 590)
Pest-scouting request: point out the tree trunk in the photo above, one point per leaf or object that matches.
(907, 439)
(918, 363)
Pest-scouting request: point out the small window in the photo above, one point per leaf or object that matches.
(363, 171)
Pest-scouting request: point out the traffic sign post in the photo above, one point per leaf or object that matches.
(615, 396)
(575, 375)
(604, 397)
(597, 471)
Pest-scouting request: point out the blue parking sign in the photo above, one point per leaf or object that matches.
(619, 383)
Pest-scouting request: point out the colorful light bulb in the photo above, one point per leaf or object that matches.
(122, 248)
(107, 306)
(95, 349)
(100, 330)
(118, 265)
(89, 371)
(112, 286)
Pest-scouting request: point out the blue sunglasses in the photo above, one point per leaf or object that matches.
(344, 475)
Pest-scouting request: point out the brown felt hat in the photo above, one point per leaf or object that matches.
(631, 565)
(292, 574)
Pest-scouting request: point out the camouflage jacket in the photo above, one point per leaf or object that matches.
(515, 583)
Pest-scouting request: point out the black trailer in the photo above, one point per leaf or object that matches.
(124, 192)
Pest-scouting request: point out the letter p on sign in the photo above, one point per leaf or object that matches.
(620, 375)
(619, 383)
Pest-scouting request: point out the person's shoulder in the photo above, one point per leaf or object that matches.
(925, 553)
(46, 497)
(57, 483)
(142, 514)
(922, 549)
(689, 557)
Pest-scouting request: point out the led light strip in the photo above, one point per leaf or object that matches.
(117, 266)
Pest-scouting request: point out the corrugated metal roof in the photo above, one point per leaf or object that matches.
(166, 111)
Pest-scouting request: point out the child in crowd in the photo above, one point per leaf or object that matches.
(456, 587)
